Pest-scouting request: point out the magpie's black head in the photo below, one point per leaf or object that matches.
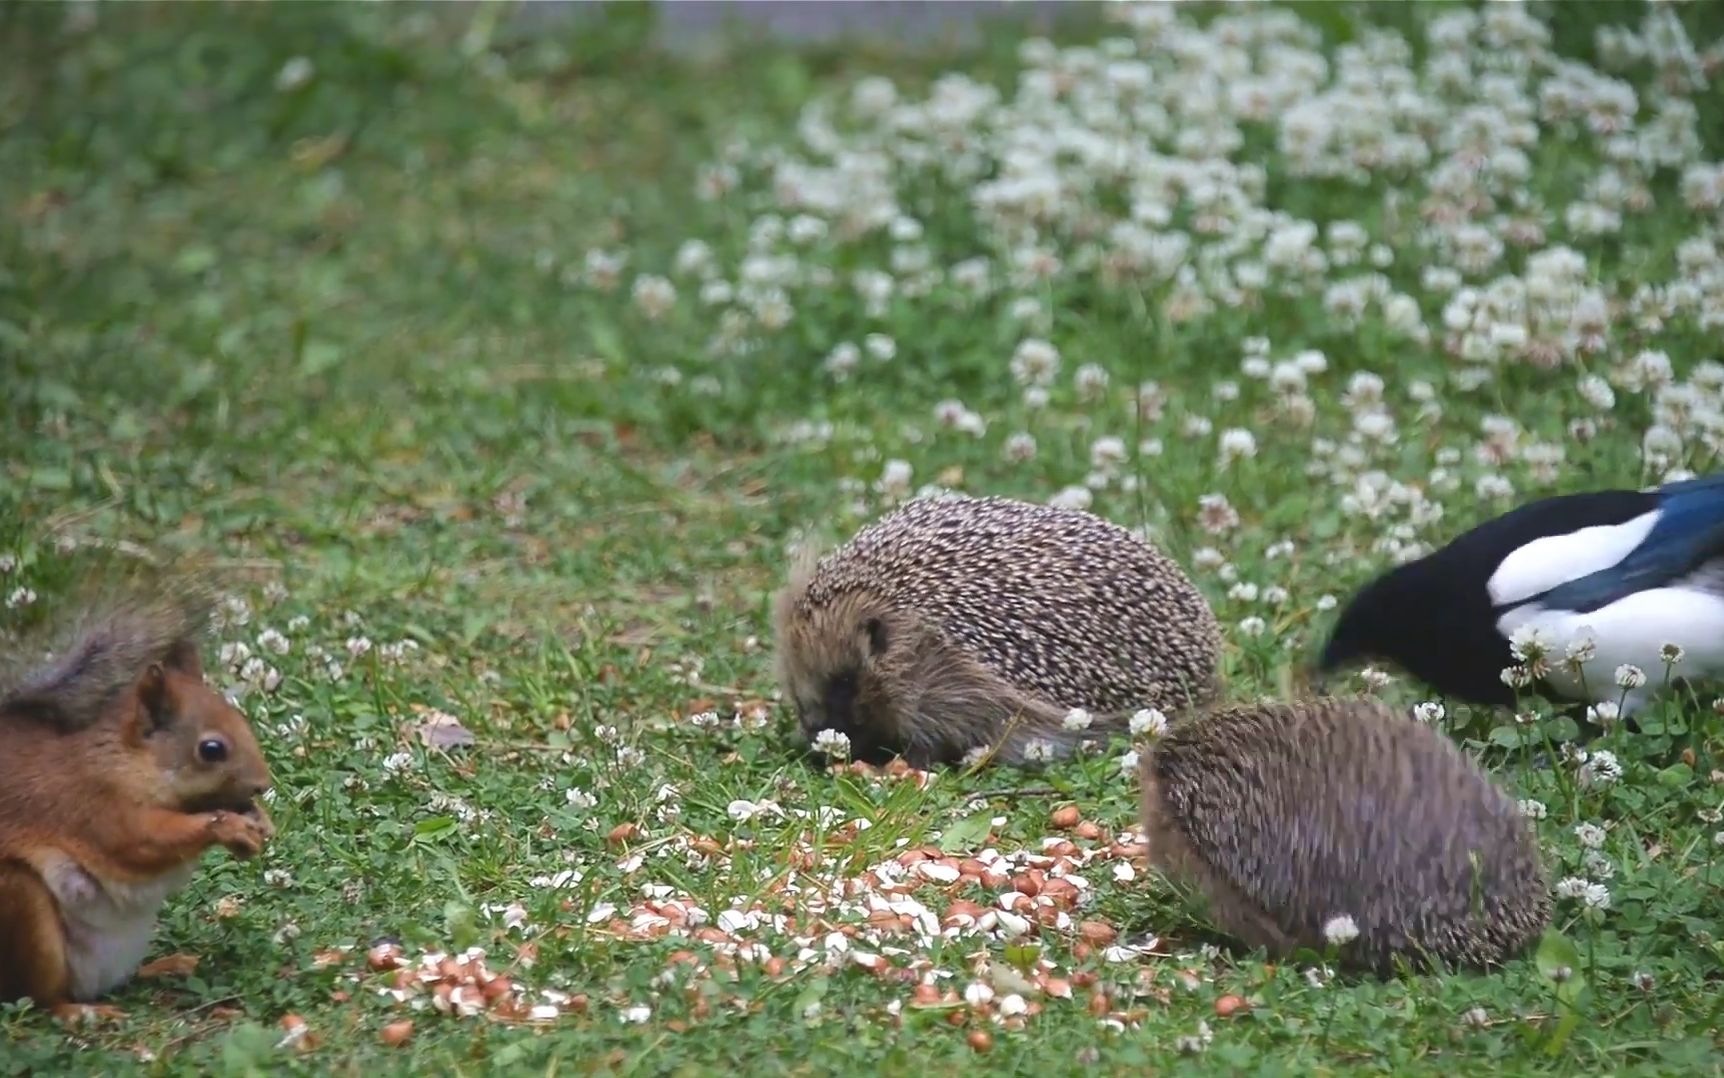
(1368, 628)
(1432, 618)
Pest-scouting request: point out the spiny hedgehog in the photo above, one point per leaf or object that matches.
(956, 624)
(1287, 815)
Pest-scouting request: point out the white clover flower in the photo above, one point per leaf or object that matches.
(1340, 930)
(1603, 713)
(1600, 769)
(1428, 711)
(1072, 497)
(1493, 487)
(1529, 643)
(1629, 676)
(1149, 722)
(1253, 626)
(1590, 835)
(1237, 443)
(1533, 809)
(638, 1014)
(894, 479)
(653, 296)
(1077, 719)
(833, 743)
(1192, 1044)
(1671, 654)
(1035, 362)
(1019, 447)
(1570, 887)
(1090, 381)
(844, 358)
(1107, 453)
(1597, 392)
(692, 256)
(579, 798)
(1129, 760)
(295, 73)
(20, 596)
(1597, 896)
(1216, 514)
(978, 993)
(1039, 750)
(1582, 648)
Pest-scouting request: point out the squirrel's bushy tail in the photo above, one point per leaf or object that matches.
(115, 627)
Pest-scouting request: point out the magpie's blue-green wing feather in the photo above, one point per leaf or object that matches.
(1688, 532)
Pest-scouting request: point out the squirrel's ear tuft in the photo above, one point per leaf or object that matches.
(153, 699)
(182, 655)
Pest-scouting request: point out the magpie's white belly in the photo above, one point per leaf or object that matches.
(1633, 631)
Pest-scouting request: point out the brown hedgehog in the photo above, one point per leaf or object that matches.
(956, 624)
(1286, 816)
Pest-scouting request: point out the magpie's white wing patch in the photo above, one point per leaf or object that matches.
(1632, 630)
(1551, 560)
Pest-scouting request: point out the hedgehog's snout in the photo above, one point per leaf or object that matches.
(838, 708)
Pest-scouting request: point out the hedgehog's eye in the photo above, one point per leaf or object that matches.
(212, 750)
(876, 630)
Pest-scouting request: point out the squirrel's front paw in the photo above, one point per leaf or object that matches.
(258, 813)
(243, 835)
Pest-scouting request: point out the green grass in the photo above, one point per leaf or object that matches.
(335, 337)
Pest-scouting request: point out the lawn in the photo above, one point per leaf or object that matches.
(502, 366)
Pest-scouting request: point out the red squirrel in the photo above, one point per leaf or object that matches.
(119, 767)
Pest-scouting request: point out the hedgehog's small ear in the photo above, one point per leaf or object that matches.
(876, 630)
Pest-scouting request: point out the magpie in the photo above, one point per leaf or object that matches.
(1633, 570)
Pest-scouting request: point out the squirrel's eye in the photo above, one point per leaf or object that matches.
(212, 750)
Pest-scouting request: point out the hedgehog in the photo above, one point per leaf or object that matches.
(1286, 816)
(959, 629)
